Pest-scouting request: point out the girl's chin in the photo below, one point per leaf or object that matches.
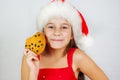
(57, 46)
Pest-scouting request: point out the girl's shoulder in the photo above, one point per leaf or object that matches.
(79, 54)
(80, 57)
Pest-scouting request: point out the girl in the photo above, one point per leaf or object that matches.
(62, 59)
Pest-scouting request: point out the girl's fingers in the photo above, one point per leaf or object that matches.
(28, 53)
(32, 58)
(33, 62)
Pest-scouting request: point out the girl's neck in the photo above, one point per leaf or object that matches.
(57, 53)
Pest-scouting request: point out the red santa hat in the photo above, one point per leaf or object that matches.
(61, 8)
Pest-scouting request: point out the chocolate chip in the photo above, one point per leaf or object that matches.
(31, 43)
(35, 45)
(39, 41)
(35, 35)
(25, 45)
(38, 34)
(41, 44)
(37, 51)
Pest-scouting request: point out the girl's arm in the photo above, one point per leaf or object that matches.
(30, 66)
(86, 65)
(24, 69)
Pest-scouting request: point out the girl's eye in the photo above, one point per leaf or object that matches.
(50, 27)
(64, 27)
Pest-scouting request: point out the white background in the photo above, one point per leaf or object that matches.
(18, 21)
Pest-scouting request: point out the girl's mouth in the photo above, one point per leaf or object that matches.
(57, 40)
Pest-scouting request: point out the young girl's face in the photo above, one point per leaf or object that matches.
(58, 32)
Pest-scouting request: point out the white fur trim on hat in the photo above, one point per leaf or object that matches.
(65, 10)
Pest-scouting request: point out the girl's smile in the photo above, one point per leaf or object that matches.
(57, 40)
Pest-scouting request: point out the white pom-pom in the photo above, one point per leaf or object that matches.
(86, 41)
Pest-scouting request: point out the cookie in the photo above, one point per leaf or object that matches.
(36, 43)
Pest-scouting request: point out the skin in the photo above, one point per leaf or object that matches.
(58, 33)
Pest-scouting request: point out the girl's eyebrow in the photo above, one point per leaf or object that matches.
(49, 23)
(66, 24)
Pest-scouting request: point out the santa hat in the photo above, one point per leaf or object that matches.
(61, 8)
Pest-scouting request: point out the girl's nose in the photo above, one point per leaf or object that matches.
(57, 32)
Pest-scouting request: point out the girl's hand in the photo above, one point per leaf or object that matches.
(32, 61)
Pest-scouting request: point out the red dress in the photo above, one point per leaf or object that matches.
(59, 73)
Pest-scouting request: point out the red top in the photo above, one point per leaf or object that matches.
(66, 73)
